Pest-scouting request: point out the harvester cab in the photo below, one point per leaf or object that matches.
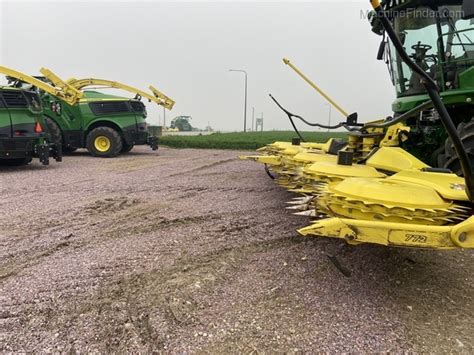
(438, 36)
(106, 125)
(24, 133)
(375, 189)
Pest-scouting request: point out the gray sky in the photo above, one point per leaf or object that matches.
(186, 49)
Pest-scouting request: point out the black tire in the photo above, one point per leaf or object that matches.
(449, 159)
(16, 162)
(126, 148)
(112, 149)
(54, 132)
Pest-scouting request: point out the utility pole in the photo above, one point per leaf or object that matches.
(164, 118)
(253, 119)
(330, 112)
(245, 98)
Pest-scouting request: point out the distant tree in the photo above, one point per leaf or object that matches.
(182, 123)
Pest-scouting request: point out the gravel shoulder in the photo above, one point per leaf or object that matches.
(192, 251)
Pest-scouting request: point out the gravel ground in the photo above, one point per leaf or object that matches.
(193, 251)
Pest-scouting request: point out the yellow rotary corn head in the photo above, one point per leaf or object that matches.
(369, 189)
(389, 197)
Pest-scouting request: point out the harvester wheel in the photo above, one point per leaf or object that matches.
(54, 131)
(449, 159)
(104, 142)
(126, 147)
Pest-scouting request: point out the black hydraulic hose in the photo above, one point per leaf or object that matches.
(292, 115)
(296, 129)
(269, 173)
(305, 121)
(414, 111)
(433, 92)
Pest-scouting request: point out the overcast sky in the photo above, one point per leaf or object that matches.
(185, 49)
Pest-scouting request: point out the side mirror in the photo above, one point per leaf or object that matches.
(381, 51)
(468, 9)
(375, 22)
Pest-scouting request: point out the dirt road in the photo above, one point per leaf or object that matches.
(192, 250)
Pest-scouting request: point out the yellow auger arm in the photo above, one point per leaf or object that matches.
(157, 97)
(169, 103)
(316, 87)
(68, 94)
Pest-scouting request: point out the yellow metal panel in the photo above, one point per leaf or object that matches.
(463, 234)
(450, 186)
(331, 168)
(318, 146)
(408, 238)
(389, 193)
(391, 138)
(396, 234)
(394, 159)
(264, 159)
(305, 158)
(292, 150)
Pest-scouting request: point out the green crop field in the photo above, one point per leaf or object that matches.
(243, 141)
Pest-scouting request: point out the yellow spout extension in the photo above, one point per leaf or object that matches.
(70, 95)
(157, 97)
(316, 87)
(168, 103)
